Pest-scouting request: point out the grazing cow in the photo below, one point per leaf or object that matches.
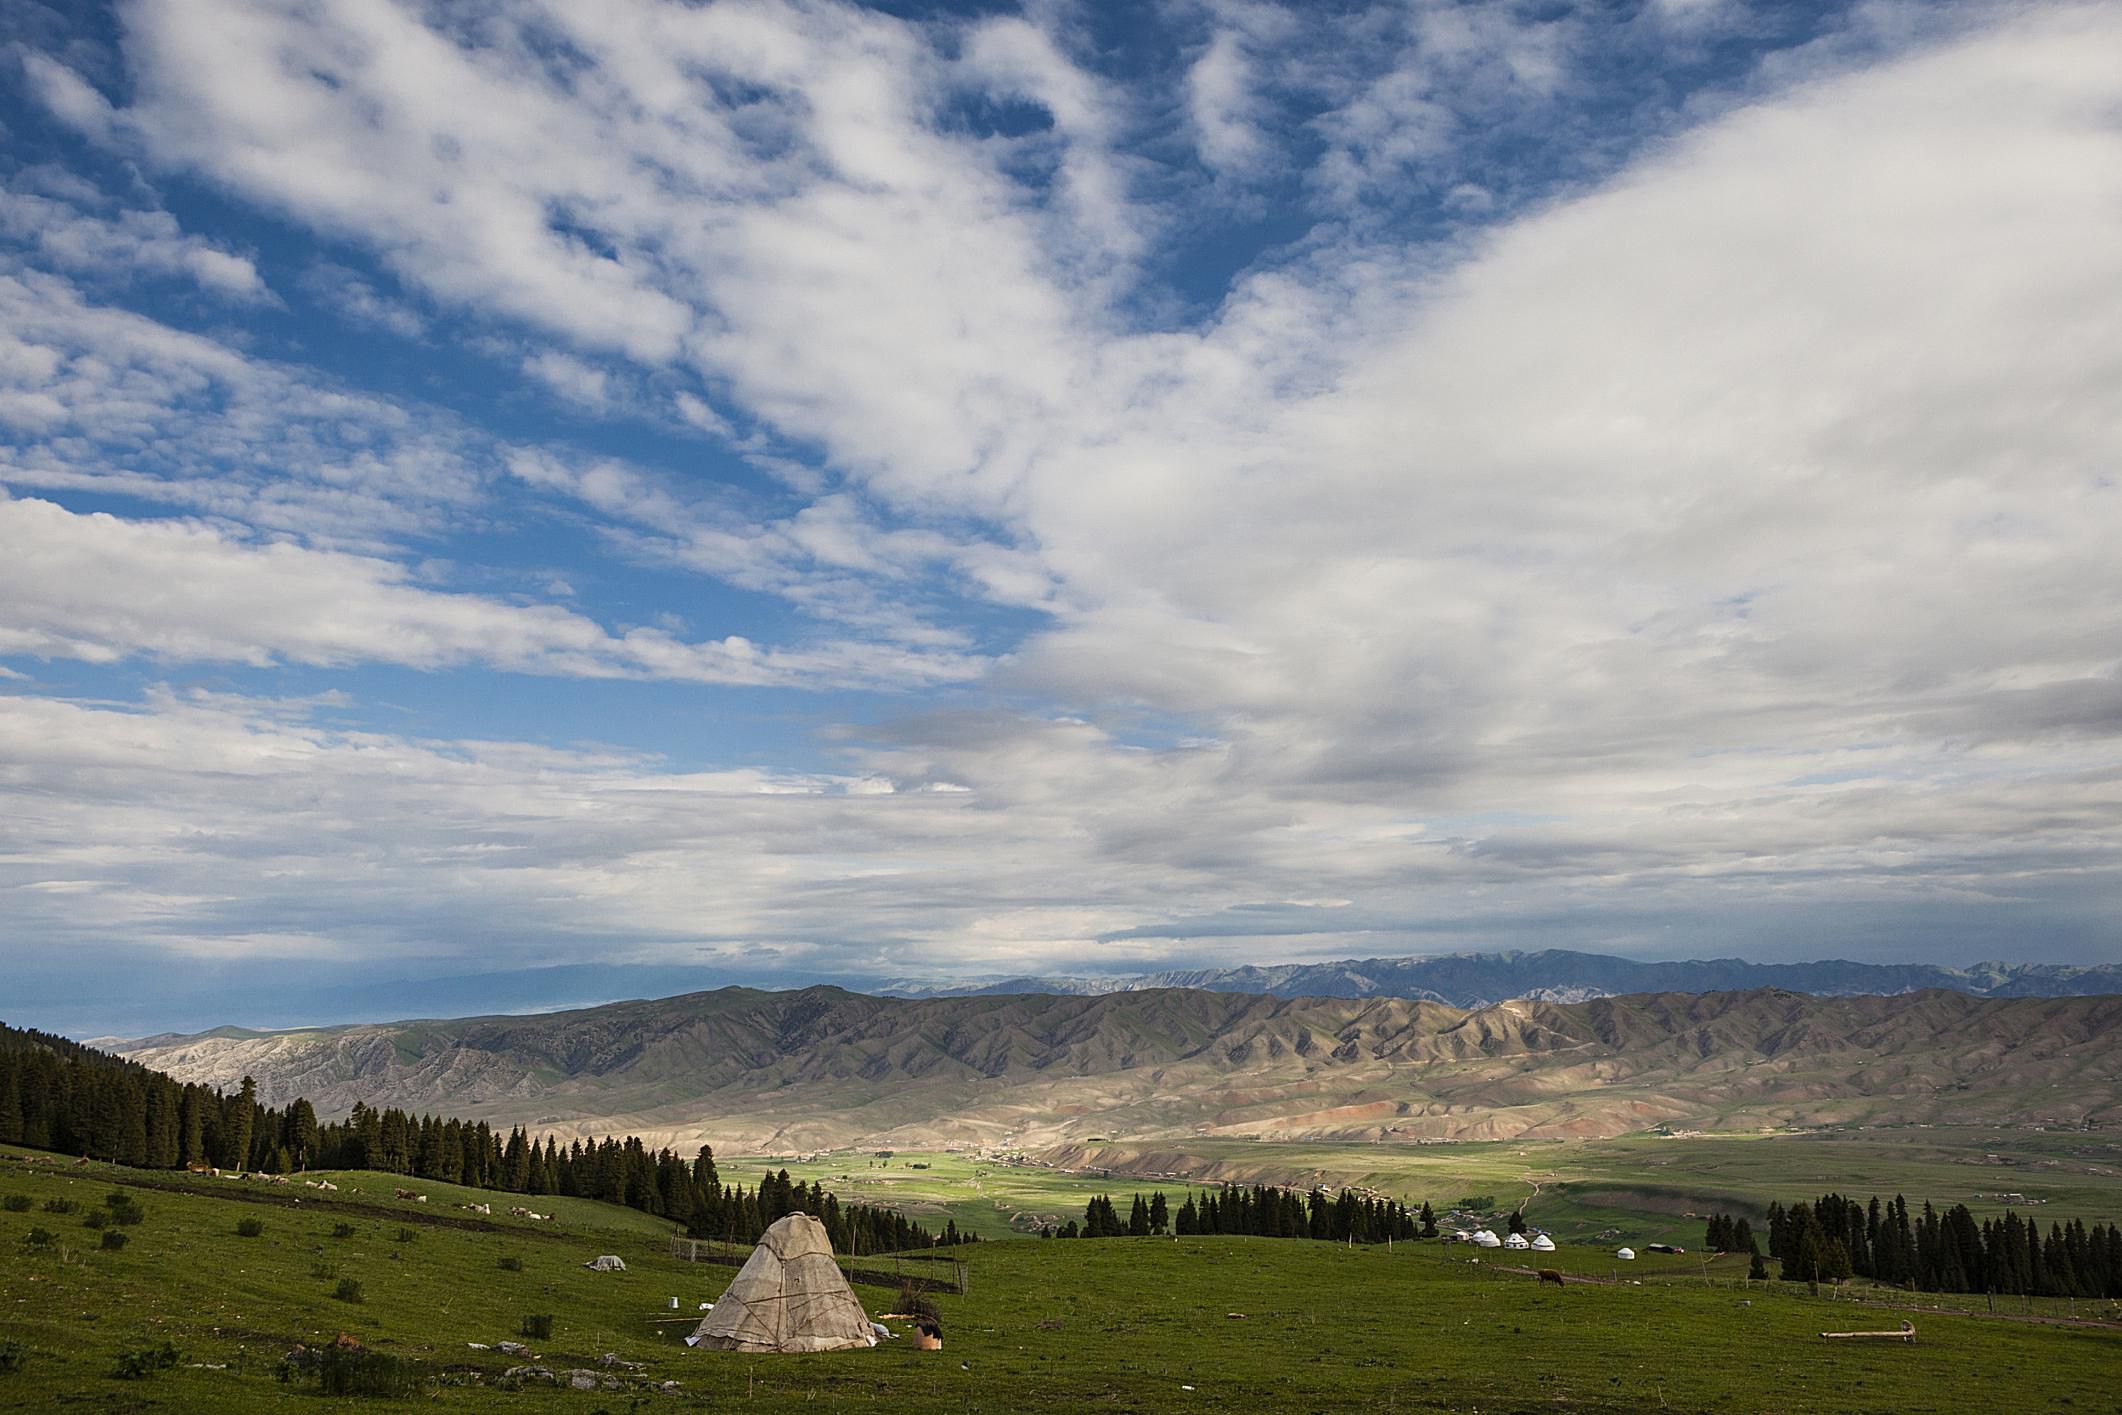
(1551, 1275)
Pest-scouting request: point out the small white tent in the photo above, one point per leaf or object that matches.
(1543, 1244)
(609, 1263)
(1485, 1239)
(1627, 1253)
(1516, 1240)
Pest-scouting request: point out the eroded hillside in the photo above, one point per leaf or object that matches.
(822, 1067)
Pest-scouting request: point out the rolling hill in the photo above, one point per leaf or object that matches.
(822, 1067)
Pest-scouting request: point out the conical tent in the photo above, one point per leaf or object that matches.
(789, 1296)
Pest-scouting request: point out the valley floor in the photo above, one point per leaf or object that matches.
(1633, 1189)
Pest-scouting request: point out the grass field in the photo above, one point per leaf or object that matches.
(1116, 1325)
(1635, 1189)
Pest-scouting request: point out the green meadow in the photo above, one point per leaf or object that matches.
(1634, 1189)
(1211, 1324)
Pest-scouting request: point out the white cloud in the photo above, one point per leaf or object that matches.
(1726, 532)
(634, 211)
(1220, 103)
(101, 400)
(362, 302)
(99, 588)
(124, 244)
(68, 96)
(579, 383)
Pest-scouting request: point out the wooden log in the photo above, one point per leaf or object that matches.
(1907, 1334)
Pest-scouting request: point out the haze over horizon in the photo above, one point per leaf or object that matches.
(808, 491)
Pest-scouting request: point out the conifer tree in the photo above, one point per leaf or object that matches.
(241, 1113)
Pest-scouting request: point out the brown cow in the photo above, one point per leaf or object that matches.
(1552, 1275)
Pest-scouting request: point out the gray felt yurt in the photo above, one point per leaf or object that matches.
(789, 1296)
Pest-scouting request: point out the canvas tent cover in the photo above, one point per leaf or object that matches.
(789, 1296)
(609, 1263)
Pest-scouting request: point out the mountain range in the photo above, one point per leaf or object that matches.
(326, 995)
(1558, 975)
(820, 1068)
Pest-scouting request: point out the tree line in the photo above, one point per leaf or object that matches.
(1836, 1237)
(58, 1095)
(1262, 1211)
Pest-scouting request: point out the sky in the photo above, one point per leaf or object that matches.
(768, 492)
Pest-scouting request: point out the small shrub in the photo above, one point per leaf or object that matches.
(140, 1364)
(12, 1355)
(348, 1290)
(326, 1271)
(406, 1235)
(16, 1203)
(344, 1230)
(511, 1264)
(37, 1240)
(250, 1228)
(539, 1328)
(60, 1206)
(117, 1199)
(113, 1240)
(96, 1219)
(130, 1214)
(353, 1371)
(914, 1303)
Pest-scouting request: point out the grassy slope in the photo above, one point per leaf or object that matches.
(1112, 1325)
(568, 1214)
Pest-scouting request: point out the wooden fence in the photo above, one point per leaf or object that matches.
(927, 1272)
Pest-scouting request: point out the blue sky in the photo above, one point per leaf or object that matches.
(798, 491)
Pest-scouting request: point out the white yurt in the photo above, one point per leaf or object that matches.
(1629, 1254)
(1485, 1239)
(1517, 1240)
(1543, 1244)
(789, 1296)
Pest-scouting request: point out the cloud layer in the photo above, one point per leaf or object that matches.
(1616, 491)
